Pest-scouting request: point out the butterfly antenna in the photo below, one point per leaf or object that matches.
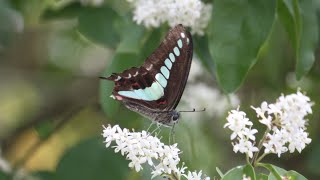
(194, 110)
(101, 77)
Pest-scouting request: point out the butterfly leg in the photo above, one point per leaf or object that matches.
(172, 133)
(151, 124)
(158, 128)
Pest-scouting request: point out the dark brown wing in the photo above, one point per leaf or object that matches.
(180, 68)
(176, 48)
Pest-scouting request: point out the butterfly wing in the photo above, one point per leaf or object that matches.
(159, 83)
(173, 60)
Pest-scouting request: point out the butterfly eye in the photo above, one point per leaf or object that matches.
(175, 117)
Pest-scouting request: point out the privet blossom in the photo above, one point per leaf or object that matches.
(285, 122)
(191, 13)
(142, 148)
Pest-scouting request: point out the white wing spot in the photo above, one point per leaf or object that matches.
(136, 74)
(118, 78)
(112, 96)
(150, 67)
(183, 35)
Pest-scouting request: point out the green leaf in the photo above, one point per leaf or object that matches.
(71, 10)
(132, 39)
(4, 176)
(289, 15)
(92, 160)
(237, 31)
(275, 172)
(44, 175)
(239, 172)
(309, 37)
(249, 171)
(202, 50)
(100, 26)
(151, 41)
(284, 174)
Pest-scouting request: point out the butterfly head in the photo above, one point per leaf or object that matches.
(175, 115)
(167, 118)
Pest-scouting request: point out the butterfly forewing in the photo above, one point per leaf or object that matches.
(173, 60)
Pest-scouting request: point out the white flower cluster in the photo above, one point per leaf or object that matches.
(191, 13)
(287, 124)
(285, 121)
(141, 148)
(243, 134)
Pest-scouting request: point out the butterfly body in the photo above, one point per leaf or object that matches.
(154, 89)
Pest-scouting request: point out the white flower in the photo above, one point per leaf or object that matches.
(191, 13)
(196, 176)
(286, 120)
(242, 132)
(244, 177)
(203, 21)
(237, 123)
(140, 148)
(245, 146)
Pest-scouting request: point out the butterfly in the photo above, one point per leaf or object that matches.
(155, 88)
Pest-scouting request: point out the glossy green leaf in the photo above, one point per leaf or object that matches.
(92, 160)
(289, 15)
(71, 10)
(248, 170)
(275, 172)
(309, 38)
(239, 172)
(278, 173)
(202, 50)
(237, 31)
(100, 26)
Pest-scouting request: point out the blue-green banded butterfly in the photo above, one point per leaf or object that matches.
(155, 88)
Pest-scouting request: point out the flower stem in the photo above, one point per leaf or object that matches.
(260, 158)
(255, 156)
(173, 176)
(247, 159)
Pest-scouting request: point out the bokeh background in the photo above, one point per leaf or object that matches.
(53, 105)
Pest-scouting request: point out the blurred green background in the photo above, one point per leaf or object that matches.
(53, 105)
